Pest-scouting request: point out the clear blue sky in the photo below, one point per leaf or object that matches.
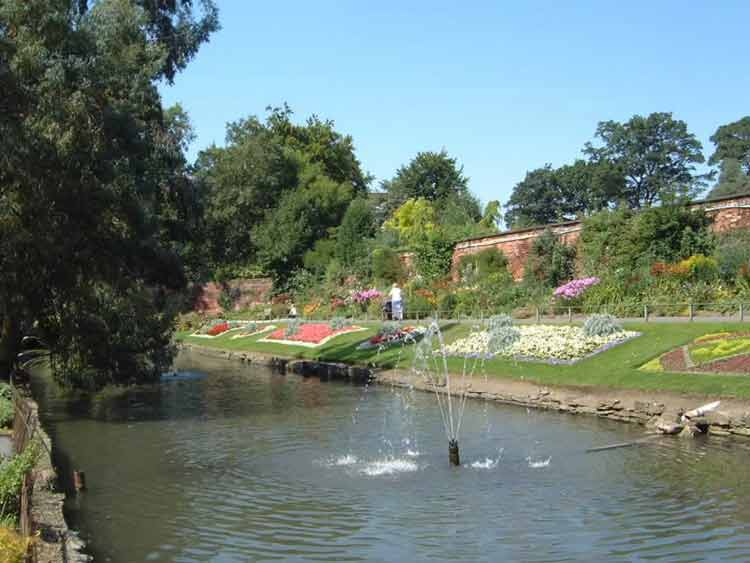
(503, 86)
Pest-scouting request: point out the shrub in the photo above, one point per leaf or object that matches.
(496, 322)
(484, 263)
(338, 323)
(13, 546)
(502, 338)
(733, 254)
(12, 472)
(550, 261)
(292, 327)
(190, 322)
(601, 325)
(386, 265)
(6, 406)
(575, 288)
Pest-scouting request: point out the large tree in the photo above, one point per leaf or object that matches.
(733, 142)
(435, 177)
(732, 179)
(84, 166)
(247, 183)
(656, 154)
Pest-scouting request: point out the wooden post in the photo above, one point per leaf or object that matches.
(692, 313)
(742, 312)
(570, 314)
(645, 313)
(79, 480)
(538, 315)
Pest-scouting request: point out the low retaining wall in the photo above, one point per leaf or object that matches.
(42, 505)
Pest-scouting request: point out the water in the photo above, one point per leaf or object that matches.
(246, 465)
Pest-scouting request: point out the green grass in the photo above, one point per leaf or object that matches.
(615, 368)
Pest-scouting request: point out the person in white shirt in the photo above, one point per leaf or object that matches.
(397, 305)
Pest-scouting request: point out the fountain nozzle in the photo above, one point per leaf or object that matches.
(453, 453)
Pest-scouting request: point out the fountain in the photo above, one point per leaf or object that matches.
(431, 364)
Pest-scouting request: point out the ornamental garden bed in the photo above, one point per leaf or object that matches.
(391, 335)
(218, 327)
(721, 352)
(310, 335)
(553, 344)
(253, 329)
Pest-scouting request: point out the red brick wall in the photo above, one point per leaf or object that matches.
(727, 214)
(251, 292)
(516, 245)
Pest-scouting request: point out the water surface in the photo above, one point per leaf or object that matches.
(247, 465)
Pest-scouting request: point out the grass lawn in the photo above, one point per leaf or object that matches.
(617, 367)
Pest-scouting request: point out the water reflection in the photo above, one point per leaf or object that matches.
(250, 465)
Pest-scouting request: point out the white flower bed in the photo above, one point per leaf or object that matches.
(554, 343)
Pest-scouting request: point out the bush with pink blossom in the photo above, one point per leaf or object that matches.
(575, 288)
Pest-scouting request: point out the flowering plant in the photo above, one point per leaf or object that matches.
(575, 288)
(365, 296)
(311, 308)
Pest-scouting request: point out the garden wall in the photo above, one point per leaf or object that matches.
(728, 213)
(245, 294)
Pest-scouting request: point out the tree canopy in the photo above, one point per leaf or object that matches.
(88, 170)
(656, 154)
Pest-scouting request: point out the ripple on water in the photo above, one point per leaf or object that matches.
(388, 467)
(538, 463)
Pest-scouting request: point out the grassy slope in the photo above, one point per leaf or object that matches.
(614, 368)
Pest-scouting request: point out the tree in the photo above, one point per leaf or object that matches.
(354, 234)
(414, 220)
(246, 180)
(550, 262)
(84, 162)
(435, 177)
(172, 26)
(304, 215)
(733, 142)
(537, 200)
(732, 180)
(492, 217)
(656, 154)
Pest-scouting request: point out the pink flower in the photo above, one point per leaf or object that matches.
(575, 288)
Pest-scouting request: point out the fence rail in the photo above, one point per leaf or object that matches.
(648, 312)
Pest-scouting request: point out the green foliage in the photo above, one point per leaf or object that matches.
(413, 221)
(12, 472)
(601, 325)
(492, 217)
(733, 180)
(433, 256)
(13, 546)
(386, 265)
(320, 256)
(435, 177)
(484, 263)
(6, 406)
(656, 154)
(496, 322)
(550, 262)
(733, 143)
(338, 323)
(733, 253)
(352, 236)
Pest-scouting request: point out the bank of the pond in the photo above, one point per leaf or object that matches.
(608, 385)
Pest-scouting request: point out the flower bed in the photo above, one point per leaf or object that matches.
(557, 344)
(723, 352)
(218, 327)
(310, 334)
(399, 335)
(253, 330)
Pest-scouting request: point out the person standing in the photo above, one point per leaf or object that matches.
(397, 304)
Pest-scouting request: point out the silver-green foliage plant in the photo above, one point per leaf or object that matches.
(292, 327)
(389, 328)
(501, 338)
(338, 323)
(601, 325)
(499, 321)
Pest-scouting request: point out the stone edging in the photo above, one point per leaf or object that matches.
(54, 542)
(659, 411)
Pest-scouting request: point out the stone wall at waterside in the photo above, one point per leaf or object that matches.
(728, 214)
(242, 293)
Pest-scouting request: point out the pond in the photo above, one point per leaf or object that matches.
(242, 464)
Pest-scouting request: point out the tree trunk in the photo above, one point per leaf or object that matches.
(10, 345)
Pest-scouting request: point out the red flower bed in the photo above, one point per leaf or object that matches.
(311, 333)
(218, 329)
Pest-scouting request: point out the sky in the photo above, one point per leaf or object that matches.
(504, 87)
